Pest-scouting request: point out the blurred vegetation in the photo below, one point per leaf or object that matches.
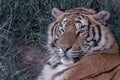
(24, 22)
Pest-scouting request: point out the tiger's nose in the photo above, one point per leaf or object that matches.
(65, 48)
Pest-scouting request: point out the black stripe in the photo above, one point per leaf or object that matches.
(93, 38)
(55, 65)
(93, 31)
(106, 71)
(99, 32)
(61, 72)
(94, 34)
(54, 43)
(89, 24)
(48, 63)
(84, 11)
(95, 42)
(83, 16)
(53, 28)
(113, 77)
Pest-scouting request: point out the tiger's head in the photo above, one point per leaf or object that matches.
(80, 32)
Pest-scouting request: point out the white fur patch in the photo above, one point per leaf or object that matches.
(68, 61)
(48, 72)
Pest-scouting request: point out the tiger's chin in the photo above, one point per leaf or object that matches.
(67, 61)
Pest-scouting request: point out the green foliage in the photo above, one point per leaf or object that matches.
(28, 20)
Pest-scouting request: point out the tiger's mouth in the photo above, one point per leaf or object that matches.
(70, 57)
(76, 59)
(68, 60)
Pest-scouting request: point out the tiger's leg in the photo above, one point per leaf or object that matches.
(113, 74)
(90, 66)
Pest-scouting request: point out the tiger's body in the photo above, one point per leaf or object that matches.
(79, 38)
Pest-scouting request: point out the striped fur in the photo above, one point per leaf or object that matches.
(76, 34)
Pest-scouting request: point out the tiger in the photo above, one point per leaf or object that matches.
(74, 39)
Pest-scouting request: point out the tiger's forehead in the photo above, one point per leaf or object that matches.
(74, 15)
(74, 18)
(81, 10)
(71, 17)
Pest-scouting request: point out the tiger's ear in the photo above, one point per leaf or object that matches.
(102, 16)
(56, 12)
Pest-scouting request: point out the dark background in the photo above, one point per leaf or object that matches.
(25, 22)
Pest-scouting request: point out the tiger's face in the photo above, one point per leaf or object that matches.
(77, 33)
(70, 36)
